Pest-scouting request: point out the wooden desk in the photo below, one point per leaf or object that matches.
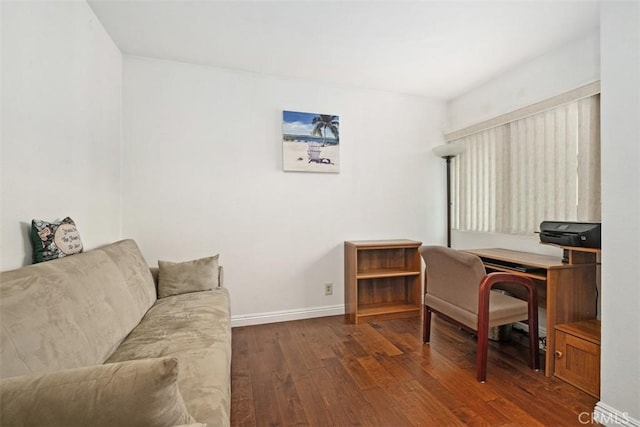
(566, 290)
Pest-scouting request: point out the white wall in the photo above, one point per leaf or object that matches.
(620, 29)
(558, 71)
(203, 174)
(553, 73)
(61, 124)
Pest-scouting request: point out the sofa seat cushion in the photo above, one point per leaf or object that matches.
(134, 393)
(195, 329)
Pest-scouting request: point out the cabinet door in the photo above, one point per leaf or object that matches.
(578, 362)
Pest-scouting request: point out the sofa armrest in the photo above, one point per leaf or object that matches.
(139, 392)
(155, 271)
(220, 277)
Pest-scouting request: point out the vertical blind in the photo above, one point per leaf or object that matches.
(545, 166)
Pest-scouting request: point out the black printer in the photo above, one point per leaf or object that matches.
(580, 234)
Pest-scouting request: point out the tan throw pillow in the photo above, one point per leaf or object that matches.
(175, 278)
(133, 393)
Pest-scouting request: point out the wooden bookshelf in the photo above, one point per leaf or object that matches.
(382, 279)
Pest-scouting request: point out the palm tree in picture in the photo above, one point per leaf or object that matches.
(324, 122)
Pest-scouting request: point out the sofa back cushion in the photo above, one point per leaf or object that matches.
(73, 311)
(134, 268)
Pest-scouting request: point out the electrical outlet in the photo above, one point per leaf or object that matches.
(328, 288)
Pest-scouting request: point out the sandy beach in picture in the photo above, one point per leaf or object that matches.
(295, 157)
(310, 142)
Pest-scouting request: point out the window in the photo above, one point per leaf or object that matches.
(533, 167)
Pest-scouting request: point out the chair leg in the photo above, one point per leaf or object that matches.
(426, 325)
(483, 348)
(483, 319)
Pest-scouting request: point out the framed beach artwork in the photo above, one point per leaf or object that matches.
(310, 142)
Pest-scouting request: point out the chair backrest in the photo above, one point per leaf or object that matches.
(453, 276)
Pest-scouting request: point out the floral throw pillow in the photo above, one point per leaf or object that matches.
(52, 240)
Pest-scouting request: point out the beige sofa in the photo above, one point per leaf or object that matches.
(85, 340)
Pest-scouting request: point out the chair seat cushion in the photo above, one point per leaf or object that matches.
(503, 309)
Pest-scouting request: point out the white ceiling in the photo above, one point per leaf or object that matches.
(432, 48)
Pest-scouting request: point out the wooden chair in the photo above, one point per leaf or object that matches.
(458, 288)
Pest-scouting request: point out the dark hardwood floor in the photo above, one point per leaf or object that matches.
(323, 372)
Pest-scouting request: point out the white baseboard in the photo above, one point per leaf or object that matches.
(286, 315)
(608, 416)
(310, 313)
